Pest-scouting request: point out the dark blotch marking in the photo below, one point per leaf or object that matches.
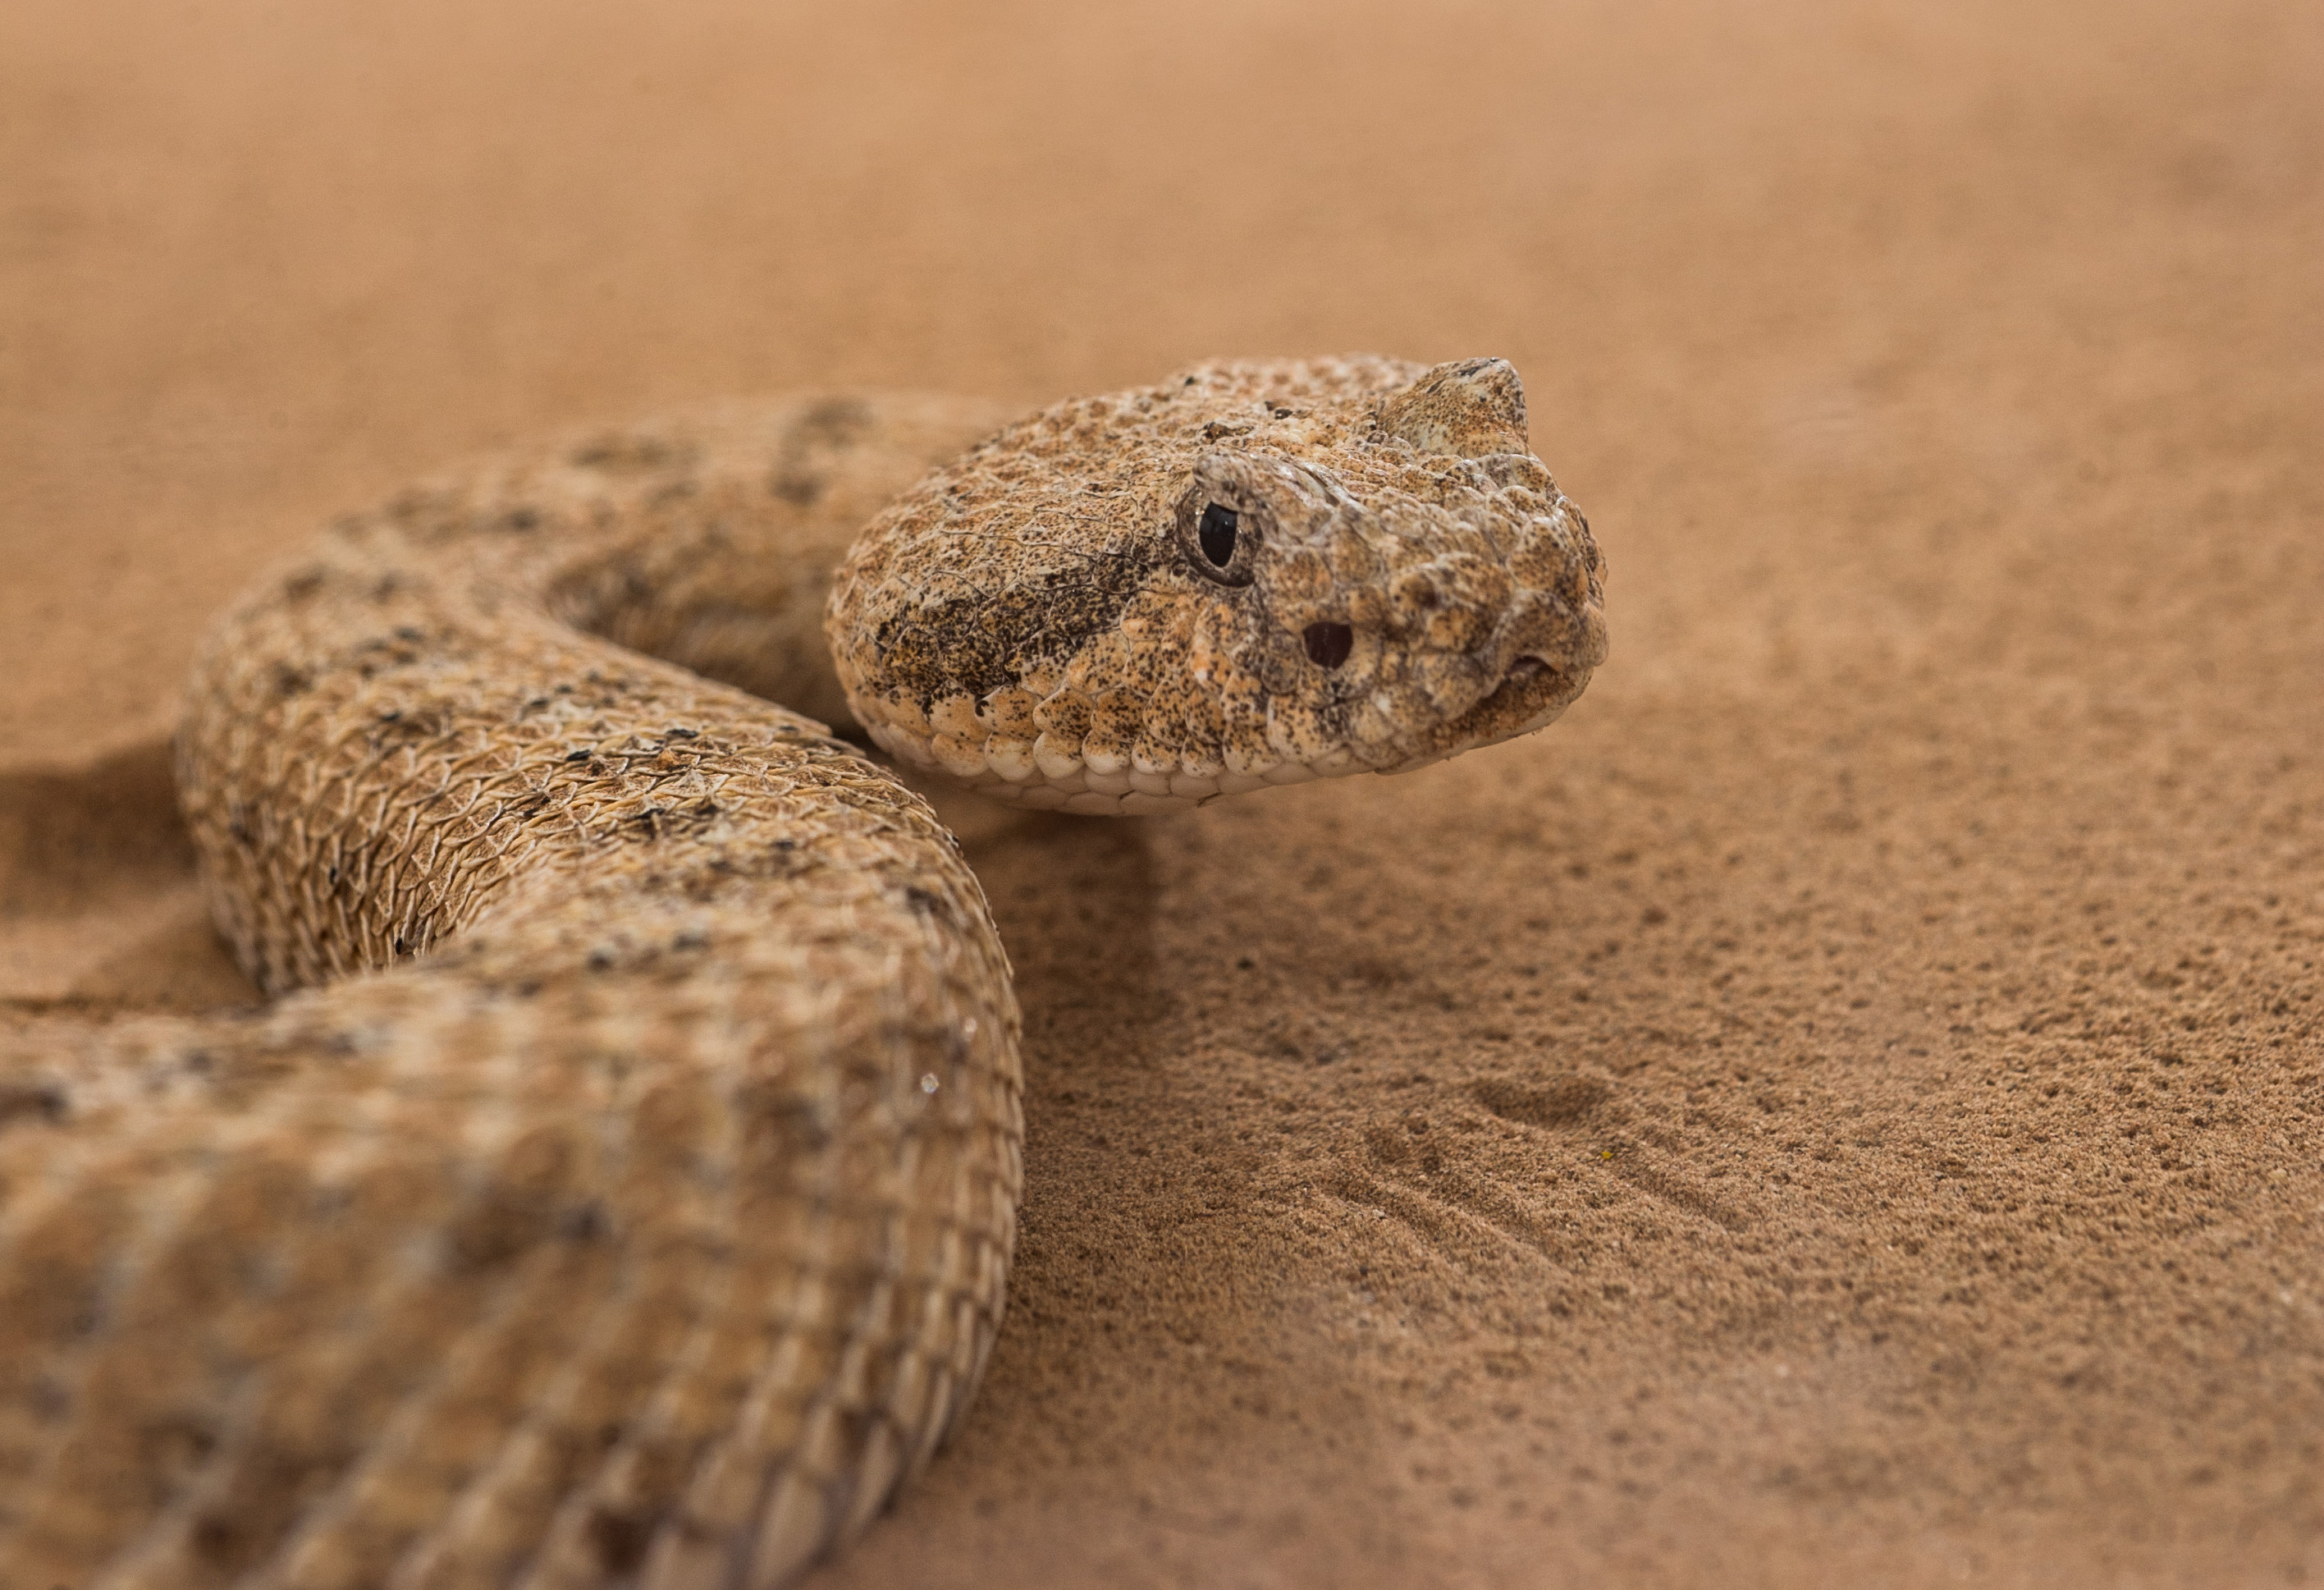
(838, 423)
(215, 1540)
(830, 427)
(799, 487)
(982, 643)
(628, 455)
(503, 1226)
(619, 1539)
(21, 1099)
(1328, 645)
(929, 904)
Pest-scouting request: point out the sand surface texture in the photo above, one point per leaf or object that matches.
(1845, 1105)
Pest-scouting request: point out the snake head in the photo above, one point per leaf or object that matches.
(1253, 573)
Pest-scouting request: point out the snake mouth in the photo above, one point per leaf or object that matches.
(1532, 693)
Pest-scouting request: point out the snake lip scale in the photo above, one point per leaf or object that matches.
(620, 1187)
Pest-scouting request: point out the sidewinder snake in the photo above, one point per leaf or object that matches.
(620, 1187)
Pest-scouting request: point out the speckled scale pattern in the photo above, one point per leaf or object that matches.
(644, 1230)
(620, 1187)
(1038, 619)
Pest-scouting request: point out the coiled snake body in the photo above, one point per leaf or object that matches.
(622, 1190)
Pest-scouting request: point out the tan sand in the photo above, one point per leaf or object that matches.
(1842, 1107)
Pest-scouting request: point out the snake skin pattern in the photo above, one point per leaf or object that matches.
(620, 1188)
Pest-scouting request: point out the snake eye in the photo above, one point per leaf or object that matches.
(1218, 541)
(1217, 534)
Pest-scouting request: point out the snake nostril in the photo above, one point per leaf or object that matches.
(1328, 645)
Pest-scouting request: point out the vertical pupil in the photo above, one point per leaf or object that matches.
(1217, 534)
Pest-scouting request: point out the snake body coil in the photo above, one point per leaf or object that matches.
(622, 1190)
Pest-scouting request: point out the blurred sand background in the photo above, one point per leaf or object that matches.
(1847, 1106)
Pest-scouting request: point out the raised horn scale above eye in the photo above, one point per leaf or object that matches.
(1468, 409)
